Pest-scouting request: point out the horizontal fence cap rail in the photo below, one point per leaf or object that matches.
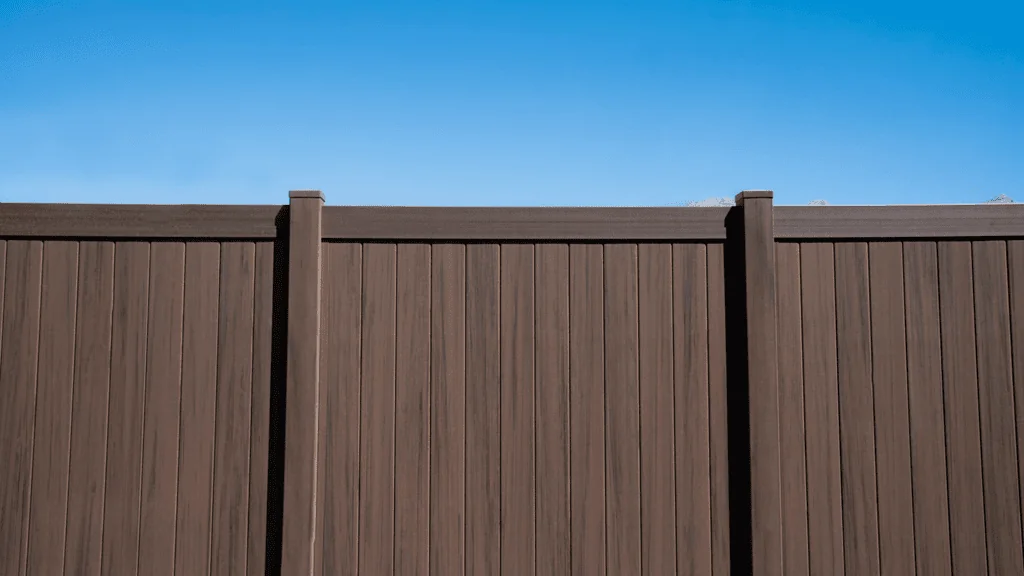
(921, 221)
(139, 221)
(433, 223)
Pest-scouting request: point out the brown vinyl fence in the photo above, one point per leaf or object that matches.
(354, 390)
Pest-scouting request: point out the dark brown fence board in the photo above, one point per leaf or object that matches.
(924, 390)
(895, 222)
(960, 382)
(234, 409)
(483, 409)
(791, 410)
(518, 411)
(126, 405)
(447, 409)
(718, 413)
(19, 350)
(688, 334)
(1015, 261)
(138, 221)
(54, 390)
(622, 409)
(821, 398)
(412, 410)
(856, 409)
(587, 409)
(162, 408)
(341, 330)
(657, 409)
(892, 412)
(552, 408)
(198, 407)
(498, 224)
(377, 413)
(87, 462)
(998, 425)
(259, 436)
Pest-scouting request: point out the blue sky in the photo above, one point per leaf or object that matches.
(542, 102)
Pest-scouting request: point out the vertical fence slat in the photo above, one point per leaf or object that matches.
(162, 408)
(763, 378)
(483, 409)
(892, 412)
(518, 421)
(821, 409)
(198, 408)
(447, 409)
(924, 390)
(234, 409)
(260, 426)
(377, 413)
(127, 397)
(587, 409)
(657, 410)
(960, 384)
(412, 405)
(552, 411)
(302, 425)
(689, 331)
(20, 347)
(718, 412)
(792, 436)
(53, 407)
(87, 464)
(1015, 262)
(622, 405)
(341, 331)
(998, 427)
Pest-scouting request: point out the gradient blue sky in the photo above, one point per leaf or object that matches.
(540, 102)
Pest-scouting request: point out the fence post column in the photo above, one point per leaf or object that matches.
(302, 388)
(763, 382)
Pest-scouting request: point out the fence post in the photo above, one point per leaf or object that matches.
(763, 382)
(302, 388)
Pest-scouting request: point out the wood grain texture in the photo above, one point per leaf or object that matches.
(587, 410)
(892, 411)
(19, 350)
(54, 390)
(792, 435)
(821, 408)
(162, 408)
(856, 409)
(126, 408)
(718, 412)
(894, 222)
(1015, 264)
(960, 385)
(377, 413)
(412, 407)
(518, 421)
(340, 374)
(998, 421)
(302, 386)
(657, 408)
(259, 436)
(198, 408)
(924, 390)
(552, 409)
(503, 224)
(137, 221)
(693, 545)
(230, 520)
(483, 409)
(622, 406)
(447, 409)
(87, 465)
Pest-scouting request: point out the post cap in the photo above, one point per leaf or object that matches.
(748, 194)
(306, 194)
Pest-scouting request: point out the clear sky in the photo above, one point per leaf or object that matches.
(536, 102)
